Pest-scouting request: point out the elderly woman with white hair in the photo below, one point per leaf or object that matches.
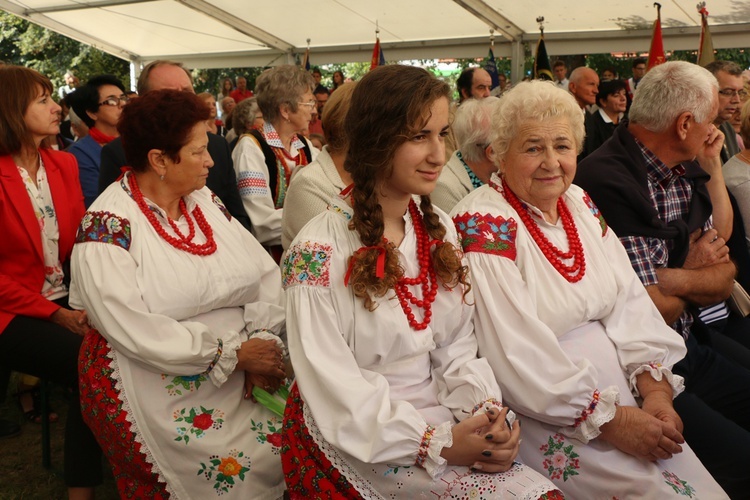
(264, 159)
(470, 165)
(578, 347)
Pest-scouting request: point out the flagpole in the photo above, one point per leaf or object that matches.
(656, 53)
(705, 45)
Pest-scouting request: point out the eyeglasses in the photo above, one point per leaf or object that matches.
(115, 101)
(731, 93)
(311, 104)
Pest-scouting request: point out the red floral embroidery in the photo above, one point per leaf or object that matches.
(588, 411)
(203, 421)
(104, 227)
(487, 234)
(217, 201)
(307, 471)
(596, 212)
(102, 411)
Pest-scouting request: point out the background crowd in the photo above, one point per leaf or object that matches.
(416, 273)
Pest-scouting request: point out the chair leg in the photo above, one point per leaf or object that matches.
(46, 448)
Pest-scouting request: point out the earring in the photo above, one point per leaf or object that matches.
(161, 177)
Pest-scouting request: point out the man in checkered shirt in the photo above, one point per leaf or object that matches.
(659, 185)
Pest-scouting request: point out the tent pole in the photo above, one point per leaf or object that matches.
(516, 60)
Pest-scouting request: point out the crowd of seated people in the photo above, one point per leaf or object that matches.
(375, 291)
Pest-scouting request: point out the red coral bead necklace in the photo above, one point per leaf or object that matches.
(182, 242)
(427, 279)
(573, 272)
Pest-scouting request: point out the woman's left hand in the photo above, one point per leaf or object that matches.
(503, 440)
(268, 384)
(659, 405)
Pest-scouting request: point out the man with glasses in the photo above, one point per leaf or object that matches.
(99, 104)
(731, 93)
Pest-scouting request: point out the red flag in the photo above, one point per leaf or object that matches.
(706, 46)
(377, 55)
(656, 52)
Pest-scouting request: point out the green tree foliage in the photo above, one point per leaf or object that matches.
(52, 54)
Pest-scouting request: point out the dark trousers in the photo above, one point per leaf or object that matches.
(715, 409)
(44, 349)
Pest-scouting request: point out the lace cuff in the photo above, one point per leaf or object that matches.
(599, 412)
(225, 360)
(488, 404)
(433, 442)
(658, 372)
(265, 334)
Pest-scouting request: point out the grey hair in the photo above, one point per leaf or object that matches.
(727, 66)
(670, 89)
(535, 100)
(577, 75)
(282, 85)
(472, 127)
(243, 114)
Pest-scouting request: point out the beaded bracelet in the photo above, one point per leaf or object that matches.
(588, 411)
(424, 445)
(491, 402)
(219, 350)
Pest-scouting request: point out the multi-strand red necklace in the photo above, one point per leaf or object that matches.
(427, 278)
(573, 272)
(182, 242)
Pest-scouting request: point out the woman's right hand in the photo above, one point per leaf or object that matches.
(637, 433)
(75, 321)
(484, 442)
(261, 357)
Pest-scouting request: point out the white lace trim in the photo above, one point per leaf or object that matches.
(137, 437)
(342, 464)
(605, 410)
(264, 334)
(442, 438)
(658, 372)
(539, 490)
(228, 360)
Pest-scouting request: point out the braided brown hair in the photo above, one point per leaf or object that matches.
(389, 105)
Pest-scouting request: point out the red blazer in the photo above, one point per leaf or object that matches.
(21, 259)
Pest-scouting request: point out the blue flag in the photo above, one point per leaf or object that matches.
(491, 68)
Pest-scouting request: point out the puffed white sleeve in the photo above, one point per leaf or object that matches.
(351, 405)
(103, 283)
(466, 383)
(537, 377)
(644, 342)
(253, 183)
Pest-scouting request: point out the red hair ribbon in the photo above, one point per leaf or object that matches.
(379, 268)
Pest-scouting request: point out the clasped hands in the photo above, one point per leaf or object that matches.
(652, 432)
(263, 363)
(75, 321)
(484, 442)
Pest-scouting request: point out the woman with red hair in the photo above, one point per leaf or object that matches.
(188, 308)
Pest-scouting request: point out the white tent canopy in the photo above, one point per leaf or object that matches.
(242, 33)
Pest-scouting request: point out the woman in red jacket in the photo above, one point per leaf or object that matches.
(41, 205)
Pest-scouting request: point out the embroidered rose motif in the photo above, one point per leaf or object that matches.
(562, 461)
(229, 467)
(199, 420)
(203, 421)
(225, 471)
(678, 485)
(274, 439)
(487, 234)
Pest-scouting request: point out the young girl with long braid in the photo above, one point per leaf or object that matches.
(390, 398)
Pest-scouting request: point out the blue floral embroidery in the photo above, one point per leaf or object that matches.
(104, 227)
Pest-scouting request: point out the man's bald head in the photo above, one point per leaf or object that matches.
(584, 85)
(162, 74)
